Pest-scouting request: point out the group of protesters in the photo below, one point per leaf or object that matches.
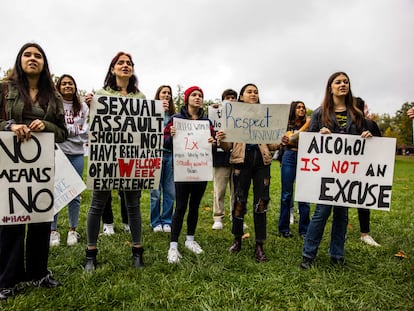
(32, 103)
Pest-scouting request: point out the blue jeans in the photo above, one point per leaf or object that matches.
(166, 190)
(77, 162)
(317, 225)
(288, 176)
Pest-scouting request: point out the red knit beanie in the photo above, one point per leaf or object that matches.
(189, 91)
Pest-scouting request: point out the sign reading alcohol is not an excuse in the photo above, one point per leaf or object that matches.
(345, 170)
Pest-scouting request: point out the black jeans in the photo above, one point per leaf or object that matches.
(99, 199)
(186, 193)
(108, 216)
(12, 253)
(254, 170)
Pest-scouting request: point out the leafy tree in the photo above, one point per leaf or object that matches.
(404, 124)
(179, 98)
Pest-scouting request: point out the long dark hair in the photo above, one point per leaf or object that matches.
(244, 88)
(350, 103)
(76, 103)
(171, 106)
(292, 115)
(45, 85)
(110, 79)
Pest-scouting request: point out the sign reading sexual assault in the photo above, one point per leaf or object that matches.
(345, 170)
(125, 141)
(254, 123)
(192, 152)
(26, 178)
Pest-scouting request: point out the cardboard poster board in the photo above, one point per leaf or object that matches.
(125, 142)
(192, 152)
(345, 170)
(27, 171)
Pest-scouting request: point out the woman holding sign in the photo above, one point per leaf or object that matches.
(251, 162)
(187, 193)
(76, 113)
(298, 122)
(120, 80)
(29, 103)
(161, 218)
(338, 113)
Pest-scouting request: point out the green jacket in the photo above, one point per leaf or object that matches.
(12, 108)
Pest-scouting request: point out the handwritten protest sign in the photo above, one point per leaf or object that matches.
(26, 178)
(254, 124)
(345, 170)
(68, 183)
(192, 151)
(125, 141)
(215, 113)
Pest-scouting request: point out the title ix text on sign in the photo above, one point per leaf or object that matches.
(68, 183)
(125, 141)
(26, 178)
(192, 151)
(254, 123)
(345, 170)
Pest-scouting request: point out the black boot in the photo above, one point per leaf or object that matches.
(137, 260)
(259, 253)
(236, 247)
(90, 264)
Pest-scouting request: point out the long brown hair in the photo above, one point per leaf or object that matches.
(45, 84)
(328, 104)
(110, 79)
(171, 106)
(292, 115)
(75, 99)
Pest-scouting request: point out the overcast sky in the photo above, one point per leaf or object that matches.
(287, 48)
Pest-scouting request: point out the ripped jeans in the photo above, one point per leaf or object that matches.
(254, 170)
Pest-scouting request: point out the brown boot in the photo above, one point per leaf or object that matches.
(259, 253)
(236, 247)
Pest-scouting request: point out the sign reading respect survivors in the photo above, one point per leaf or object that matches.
(125, 142)
(345, 170)
(253, 123)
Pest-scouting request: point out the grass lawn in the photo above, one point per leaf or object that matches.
(373, 278)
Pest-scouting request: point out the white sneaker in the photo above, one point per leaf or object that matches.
(292, 218)
(73, 238)
(54, 238)
(108, 229)
(194, 247)
(127, 228)
(369, 240)
(173, 255)
(166, 228)
(218, 225)
(157, 228)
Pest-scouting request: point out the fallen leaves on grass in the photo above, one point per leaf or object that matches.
(246, 236)
(401, 255)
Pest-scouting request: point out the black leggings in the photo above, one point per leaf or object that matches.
(189, 193)
(363, 216)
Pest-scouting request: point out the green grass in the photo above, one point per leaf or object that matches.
(373, 278)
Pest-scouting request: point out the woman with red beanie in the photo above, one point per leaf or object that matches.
(187, 193)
